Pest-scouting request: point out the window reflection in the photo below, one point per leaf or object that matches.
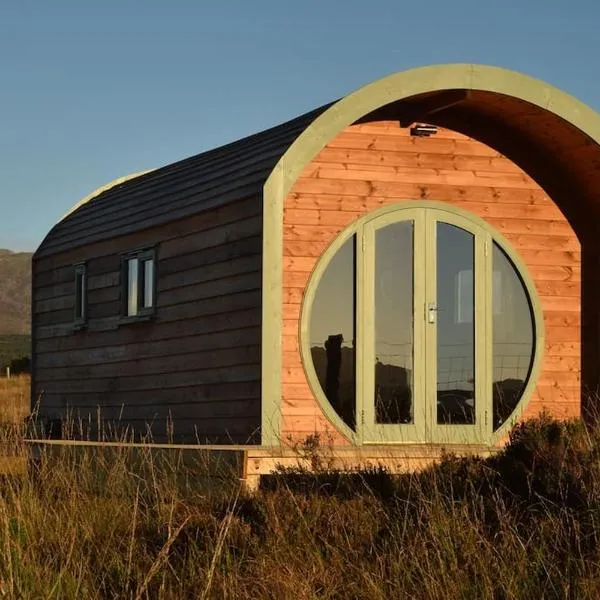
(394, 330)
(513, 336)
(455, 325)
(332, 332)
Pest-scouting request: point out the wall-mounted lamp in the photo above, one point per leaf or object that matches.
(423, 130)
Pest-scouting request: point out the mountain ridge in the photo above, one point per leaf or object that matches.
(15, 292)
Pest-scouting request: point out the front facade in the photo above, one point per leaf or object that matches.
(414, 265)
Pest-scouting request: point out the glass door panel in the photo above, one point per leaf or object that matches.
(421, 296)
(455, 386)
(394, 323)
(394, 277)
(456, 324)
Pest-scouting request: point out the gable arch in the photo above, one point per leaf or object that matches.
(552, 136)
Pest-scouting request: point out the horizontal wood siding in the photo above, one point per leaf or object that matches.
(193, 370)
(371, 165)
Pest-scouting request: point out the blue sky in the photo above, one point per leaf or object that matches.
(91, 91)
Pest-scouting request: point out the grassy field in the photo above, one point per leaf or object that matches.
(525, 524)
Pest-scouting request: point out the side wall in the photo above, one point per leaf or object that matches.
(371, 165)
(197, 362)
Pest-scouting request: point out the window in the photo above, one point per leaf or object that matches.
(139, 280)
(80, 314)
(419, 326)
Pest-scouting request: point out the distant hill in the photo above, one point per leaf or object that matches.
(15, 293)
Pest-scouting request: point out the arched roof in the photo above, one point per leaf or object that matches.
(534, 124)
(205, 181)
(551, 135)
(109, 186)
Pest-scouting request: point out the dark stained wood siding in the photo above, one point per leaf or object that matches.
(196, 362)
(204, 182)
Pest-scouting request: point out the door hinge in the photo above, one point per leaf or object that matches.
(362, 417)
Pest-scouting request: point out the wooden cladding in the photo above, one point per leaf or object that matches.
(194, 366)
(372, 165)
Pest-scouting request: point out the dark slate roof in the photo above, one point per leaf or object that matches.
(208, 180)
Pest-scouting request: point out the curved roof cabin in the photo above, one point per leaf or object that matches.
(415, 264)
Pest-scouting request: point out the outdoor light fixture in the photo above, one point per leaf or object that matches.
(423, 130)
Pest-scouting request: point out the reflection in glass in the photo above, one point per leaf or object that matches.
(332, 332)
(394, 340)
(148, 283)
(513, 335)
(132, 287)
(455, 325)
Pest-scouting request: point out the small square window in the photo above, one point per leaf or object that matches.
(139, 281)
(80, 312)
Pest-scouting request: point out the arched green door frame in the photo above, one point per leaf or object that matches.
(482, 431)
(326, 127)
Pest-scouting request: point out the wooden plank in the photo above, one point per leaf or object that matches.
(195, 307)
(146, 349)
(169, 232)
(290, 345)
(564, 334)
(558, 320)
(293, 295)
(133, 398)
(543, 273)
(295, 279)
(571, 363)
(61, 317)
(304, 249)
(291, 311)
(55, 304)
(571, 349)
(174, 404)
(299, 263)
(211, 323)
(244, 282)
(103, 310)
(562, 303)
(426, 158)
(101, 295)
(559, 288)
(216, 236)
(246, 246)
(202, 392)
(212, 272)
(426, 176)
(555, 258)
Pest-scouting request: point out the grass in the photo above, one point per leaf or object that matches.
(523, 524)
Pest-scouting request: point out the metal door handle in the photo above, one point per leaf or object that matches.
(432, 308)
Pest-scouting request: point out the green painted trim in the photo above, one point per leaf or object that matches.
(101, 190)
(463, 434)
(305, 315)
(272, 310)
(483, 233)
(326, 127)
(406, 433)
(539, 333)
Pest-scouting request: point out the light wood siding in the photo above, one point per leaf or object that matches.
(196, 362)
(371, 165)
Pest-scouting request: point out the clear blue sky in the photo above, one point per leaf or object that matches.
(90, 91)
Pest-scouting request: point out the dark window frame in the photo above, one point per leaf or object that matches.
(143, 313)
(80, 308)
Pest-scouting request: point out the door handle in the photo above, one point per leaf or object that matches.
(432, 309)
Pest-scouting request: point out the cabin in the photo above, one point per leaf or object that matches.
(410, 268)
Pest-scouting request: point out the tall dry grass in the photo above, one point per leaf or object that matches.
(141, 524)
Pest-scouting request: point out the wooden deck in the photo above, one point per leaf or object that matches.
(256, 461)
